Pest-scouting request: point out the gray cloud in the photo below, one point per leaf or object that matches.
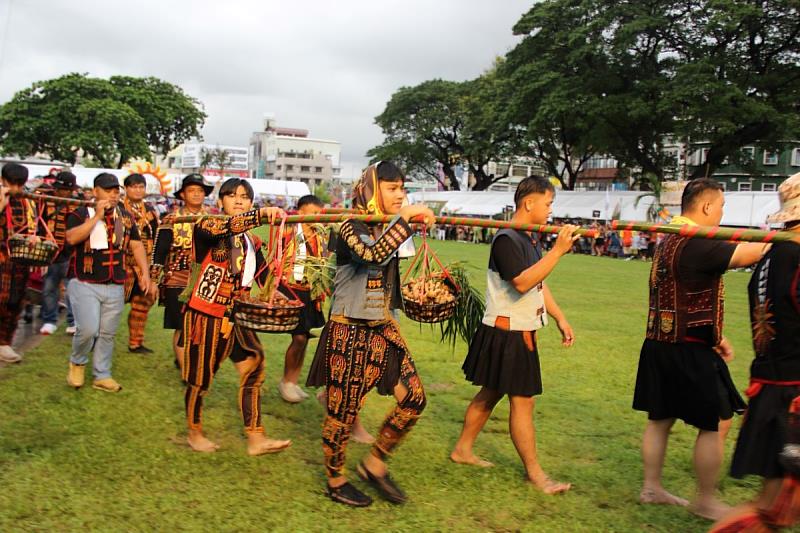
(325, 66)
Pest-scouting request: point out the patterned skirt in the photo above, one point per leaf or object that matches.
(351, 340)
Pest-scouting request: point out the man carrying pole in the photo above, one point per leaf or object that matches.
(682, 367)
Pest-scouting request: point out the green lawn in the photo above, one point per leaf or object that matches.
(72, 460)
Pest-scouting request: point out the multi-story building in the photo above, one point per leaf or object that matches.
(755, 168)
(235, 165)
(290, 154)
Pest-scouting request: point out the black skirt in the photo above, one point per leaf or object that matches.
(173, 308)
(763, 433)
(689, 381)
(317, 373)
(501, 360)
(310, 316)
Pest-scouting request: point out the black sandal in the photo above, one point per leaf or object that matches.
(385, 486)
(348, 495)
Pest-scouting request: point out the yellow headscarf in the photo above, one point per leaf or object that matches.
(367, 193)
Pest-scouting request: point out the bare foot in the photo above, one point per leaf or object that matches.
(361, 435)
(660, 496)
(199, 443)
(711, 509)
(259, 444)
(548, 486)
(470, 459)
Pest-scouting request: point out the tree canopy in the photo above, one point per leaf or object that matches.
(110, 121)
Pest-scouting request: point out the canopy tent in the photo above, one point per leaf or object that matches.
(741, 209)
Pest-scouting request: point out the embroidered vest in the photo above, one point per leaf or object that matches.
(219, 277)
(179, 260)
(675, 305)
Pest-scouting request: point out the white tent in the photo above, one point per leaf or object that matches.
(741, 209)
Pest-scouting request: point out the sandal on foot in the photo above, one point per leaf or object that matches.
(348, 495)
(385, 486)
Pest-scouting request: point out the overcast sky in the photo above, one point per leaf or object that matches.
(324, 65)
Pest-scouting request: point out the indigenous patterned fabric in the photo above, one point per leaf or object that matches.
(13, 279)
(104, 266)
(172, 251)
(207, 342)
(315, 247)
(219, 255)
(676, 307)
(55, 216)
(146, 221)
(19, 216)
(775, 314)
(784, 512)
(137, 318)
(356, 360)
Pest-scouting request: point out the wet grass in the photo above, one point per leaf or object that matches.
(73, 460)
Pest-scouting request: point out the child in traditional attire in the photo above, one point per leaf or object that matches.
(146, 220)
(301, 241)
(172, 255)
(683, 372)
(361, 347)
(774, 292)
(503, 356)
(226, 259)
(19, 216)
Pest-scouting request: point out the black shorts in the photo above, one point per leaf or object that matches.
(173, 308)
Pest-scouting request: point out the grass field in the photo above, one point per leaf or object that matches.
(76, 460)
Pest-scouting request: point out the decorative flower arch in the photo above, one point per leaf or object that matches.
(145, 167)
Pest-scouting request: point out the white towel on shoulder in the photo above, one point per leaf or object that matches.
(98, 239)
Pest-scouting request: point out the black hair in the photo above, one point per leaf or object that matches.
(388, 171)
(532, 185)
(15, 173)
(134, 179)
(309, 199)
(229, 187)
(695, 189)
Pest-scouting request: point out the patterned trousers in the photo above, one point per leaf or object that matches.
(207, 341)
(13, 279)
(137, 318)
(355, 360)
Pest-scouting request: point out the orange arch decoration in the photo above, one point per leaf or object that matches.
(145, 167)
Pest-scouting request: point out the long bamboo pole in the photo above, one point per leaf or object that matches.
(709, 232)
(50, 198)
(704, 232)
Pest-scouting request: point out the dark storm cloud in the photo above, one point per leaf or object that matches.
(326, 66)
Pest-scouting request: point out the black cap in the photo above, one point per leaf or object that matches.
(65, 180)
(106, 181)
(194, 179)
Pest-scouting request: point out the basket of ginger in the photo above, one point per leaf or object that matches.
(430, 298)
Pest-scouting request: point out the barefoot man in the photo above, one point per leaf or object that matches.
(683, 372)
(503, 357)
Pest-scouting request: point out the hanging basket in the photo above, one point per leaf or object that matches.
(26, 252)
(270, 317)
(431, 299)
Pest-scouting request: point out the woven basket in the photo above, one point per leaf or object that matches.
(25, 252)
(431, 313)
(257, 315)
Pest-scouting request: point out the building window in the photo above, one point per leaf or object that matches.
(318, 169)
(745, 187)
(770, 158)
(704, 155)
(289, 167)
(724, 186)
(277, 167)
(748, 154)
(769, 187)
(305, 169)
(796, 157)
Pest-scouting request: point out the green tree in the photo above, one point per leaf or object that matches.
(75, 115)
(171, 117)
(422, 126)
